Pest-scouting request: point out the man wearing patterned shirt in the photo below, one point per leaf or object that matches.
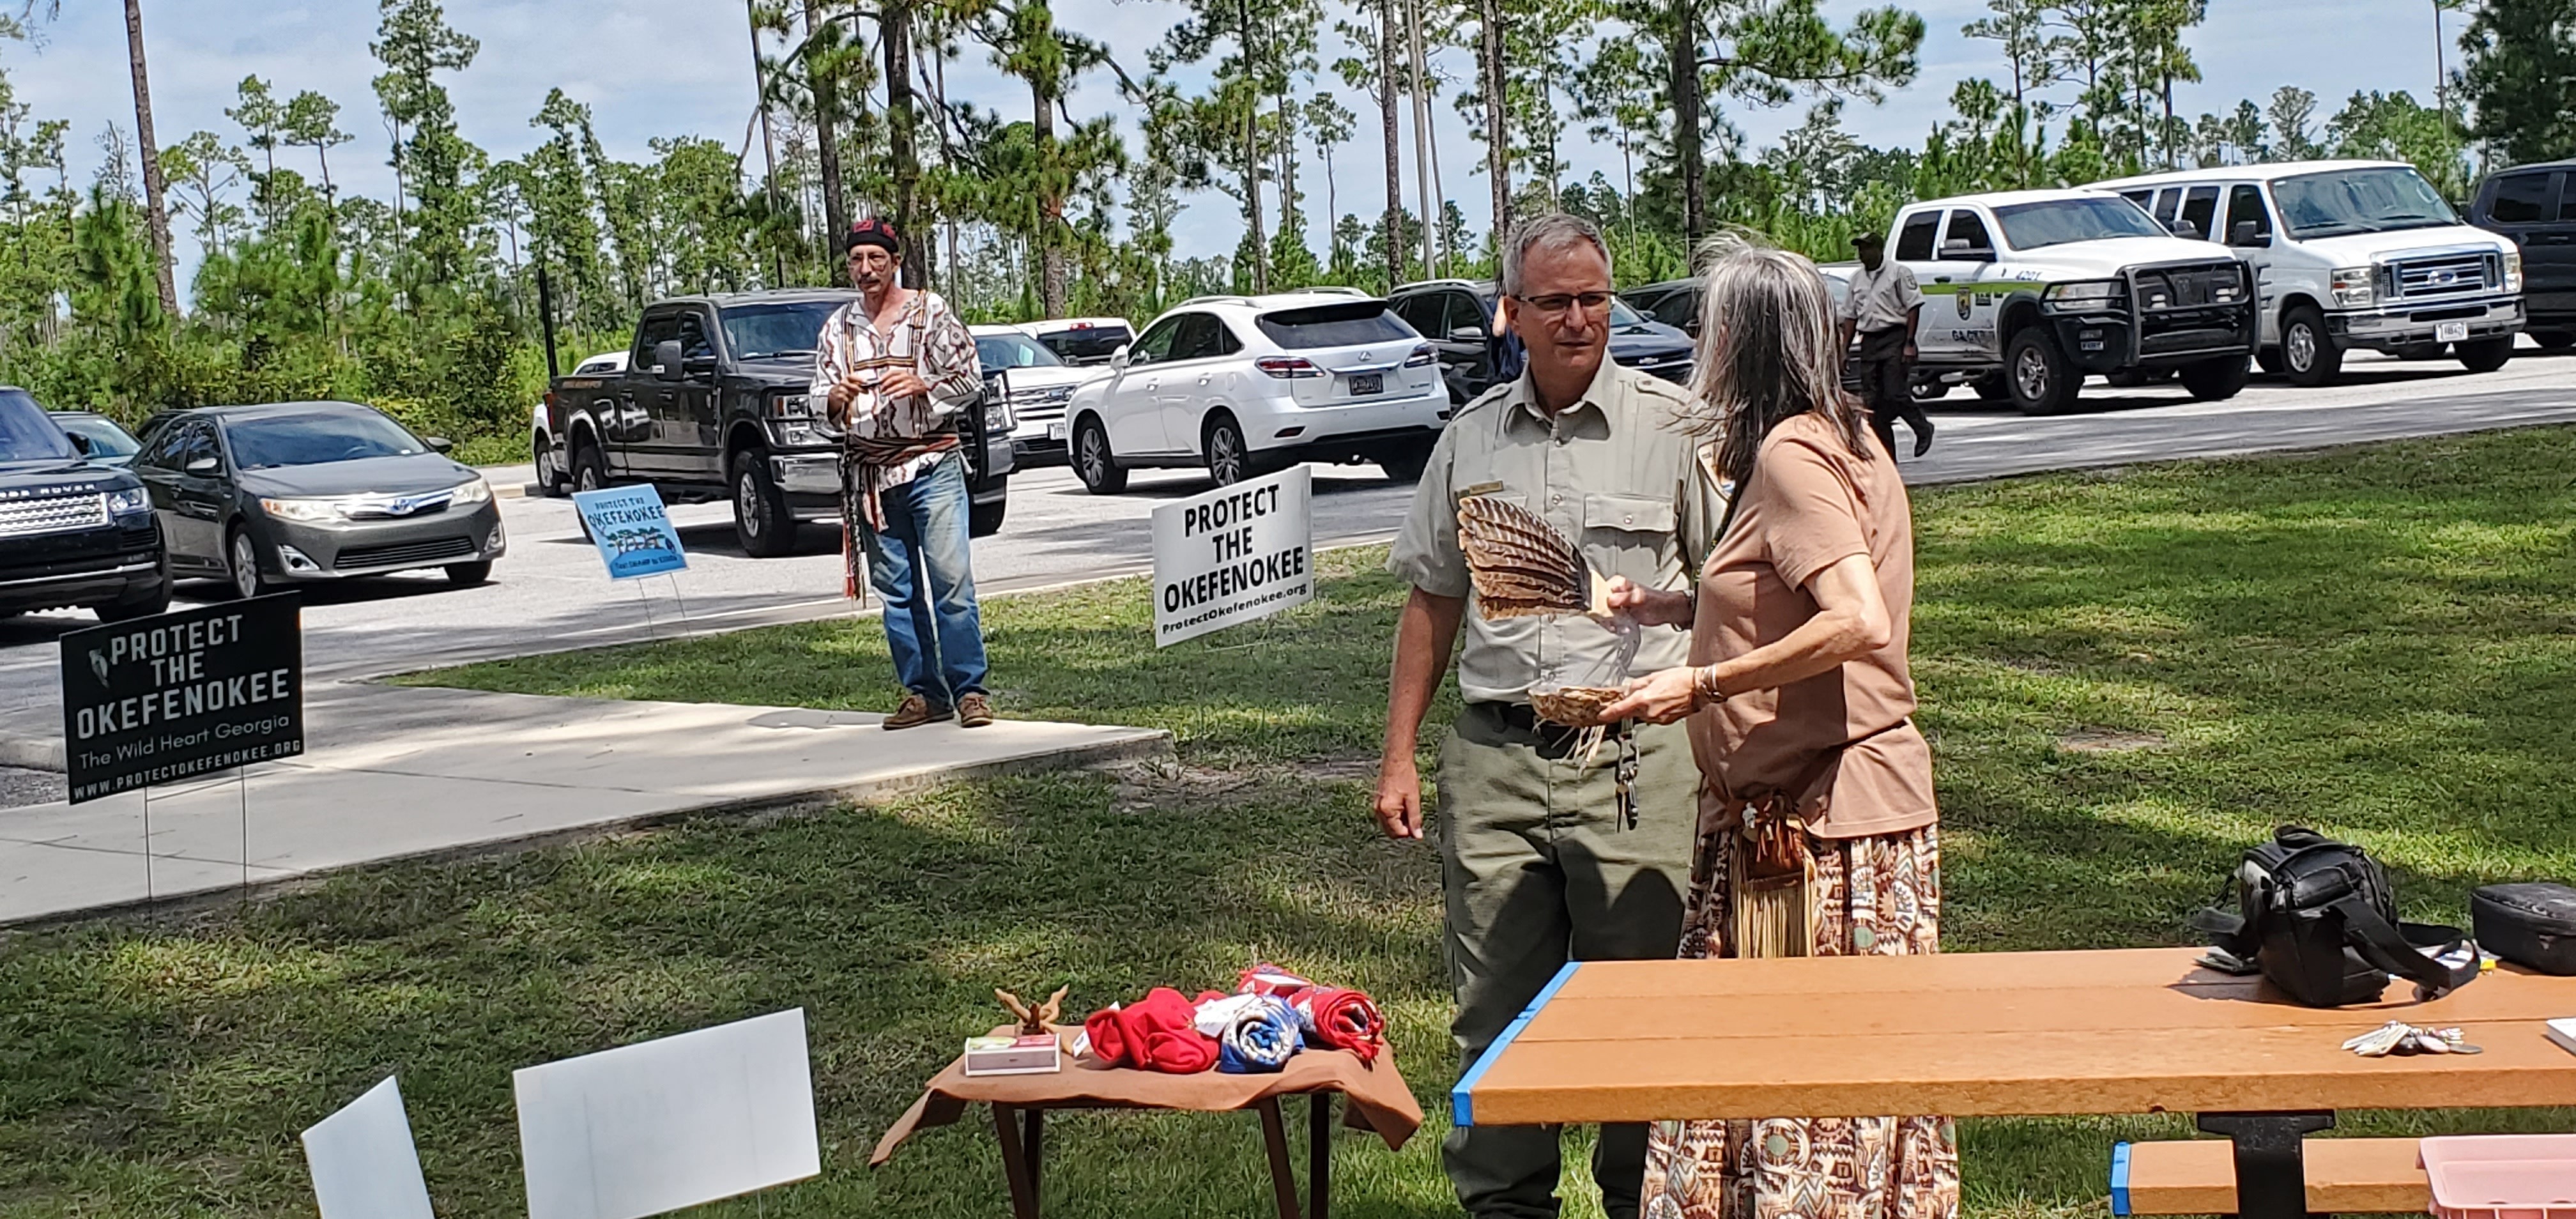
(896, 367)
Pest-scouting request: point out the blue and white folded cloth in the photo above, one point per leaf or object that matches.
(1254, 1033)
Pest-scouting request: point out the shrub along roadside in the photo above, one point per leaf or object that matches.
(2127, 677)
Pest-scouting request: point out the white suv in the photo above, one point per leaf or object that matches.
(2349, 254)
(1240, 385)
(1036, 384)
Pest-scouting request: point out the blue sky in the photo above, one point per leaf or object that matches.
(666, 67)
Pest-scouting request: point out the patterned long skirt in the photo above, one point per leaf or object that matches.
(1877, 894)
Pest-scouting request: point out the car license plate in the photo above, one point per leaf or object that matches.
(1055, 430)
(1366, 383)
(2450, 332)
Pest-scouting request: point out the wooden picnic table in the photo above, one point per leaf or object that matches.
(2005, 1034)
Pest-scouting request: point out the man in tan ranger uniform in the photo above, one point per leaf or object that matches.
(1542, 861)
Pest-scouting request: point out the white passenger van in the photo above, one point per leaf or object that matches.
(2349, 254)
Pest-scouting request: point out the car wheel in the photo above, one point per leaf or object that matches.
(2215, 380)
(467, 575)
(589, 473)
(2554, 340)
(761, 521)
(2036, 373)
(1092, 461)
(985, 520)
(1229, 459)
(2309, 356)
(1404, 463)
(2484, 355)
(242, 563)
(549, 479)
(2269, 360)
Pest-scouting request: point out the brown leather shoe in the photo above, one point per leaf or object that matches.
(974, 711)
(914, 712)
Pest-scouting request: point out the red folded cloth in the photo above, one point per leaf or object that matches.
(1338, 1018)
(1266, 979)
(1156, 1033)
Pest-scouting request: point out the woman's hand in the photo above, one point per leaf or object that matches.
(1659, 698)
(1649, 606)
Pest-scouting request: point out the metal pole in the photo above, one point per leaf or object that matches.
(2441, 71)
(147, 842)
(546, 318)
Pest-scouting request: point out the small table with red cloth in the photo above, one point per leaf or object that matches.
(1377, 1101)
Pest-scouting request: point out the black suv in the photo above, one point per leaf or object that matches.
(2535, 205)
(1457, 315)
(72, 531)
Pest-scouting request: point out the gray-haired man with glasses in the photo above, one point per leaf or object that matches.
(1543, 858)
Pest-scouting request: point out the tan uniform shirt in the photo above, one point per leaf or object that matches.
(1612, 473)
(1809, 505)
(1883, 299)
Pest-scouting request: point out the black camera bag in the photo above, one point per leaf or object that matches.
(2531, 925)
(2320, 920)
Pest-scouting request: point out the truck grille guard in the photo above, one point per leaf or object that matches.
(2181, 307)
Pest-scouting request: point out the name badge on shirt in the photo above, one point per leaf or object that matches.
(1473, 490)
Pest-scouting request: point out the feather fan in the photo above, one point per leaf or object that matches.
(1522, 566)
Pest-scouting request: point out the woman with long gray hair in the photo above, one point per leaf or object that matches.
(1817, 825)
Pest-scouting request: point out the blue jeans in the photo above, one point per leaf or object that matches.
(920, 569)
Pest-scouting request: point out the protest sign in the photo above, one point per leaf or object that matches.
(178, 695)
(1232, 555)
(364, 1163)
(633, 533)
(649, 1128)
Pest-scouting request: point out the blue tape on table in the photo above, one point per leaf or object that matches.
(2120, 1178)
(1460, 1111)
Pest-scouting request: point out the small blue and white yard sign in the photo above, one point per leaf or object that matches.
(634, 535)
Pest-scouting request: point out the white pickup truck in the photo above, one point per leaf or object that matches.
(2350, 254)
(2026, 292)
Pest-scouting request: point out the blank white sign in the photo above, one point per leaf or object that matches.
(364, 1164)
(651, 1128)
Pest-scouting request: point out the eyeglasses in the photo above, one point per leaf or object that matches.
(1590, 302)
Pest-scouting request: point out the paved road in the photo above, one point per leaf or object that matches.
(549, 593)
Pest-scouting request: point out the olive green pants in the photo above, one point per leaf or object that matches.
(1539, 868)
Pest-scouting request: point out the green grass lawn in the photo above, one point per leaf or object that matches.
(2127, 678)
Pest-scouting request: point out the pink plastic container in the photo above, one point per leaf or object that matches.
(2502, 1176)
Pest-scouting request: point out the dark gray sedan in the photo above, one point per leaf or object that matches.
(306, 491)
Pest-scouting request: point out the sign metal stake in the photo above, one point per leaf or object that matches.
(650, 627)
(147, 842)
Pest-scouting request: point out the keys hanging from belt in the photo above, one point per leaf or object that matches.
(1625, 773)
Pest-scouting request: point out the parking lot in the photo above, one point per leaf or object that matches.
(549, 592)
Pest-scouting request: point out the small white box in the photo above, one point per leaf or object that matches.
(1036, 1054)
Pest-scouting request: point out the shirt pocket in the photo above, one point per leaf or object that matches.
(1632, 536)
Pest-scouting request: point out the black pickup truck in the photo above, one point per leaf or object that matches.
(713, 403)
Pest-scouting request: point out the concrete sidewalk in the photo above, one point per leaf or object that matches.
(394, 772)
